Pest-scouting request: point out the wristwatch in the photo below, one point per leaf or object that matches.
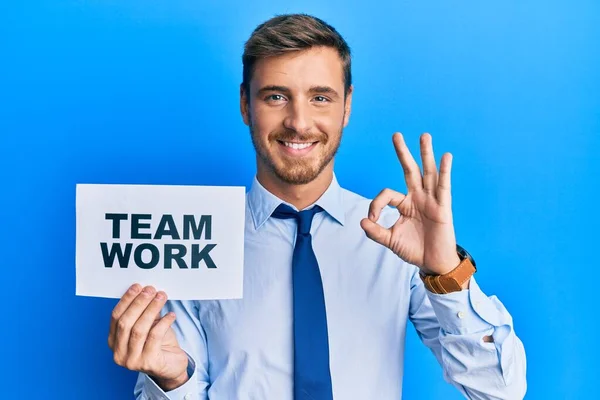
(453, 280)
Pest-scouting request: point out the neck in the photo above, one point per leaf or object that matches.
(301, 196)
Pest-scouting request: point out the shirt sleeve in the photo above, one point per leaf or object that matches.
(453, 326)
(192, 339)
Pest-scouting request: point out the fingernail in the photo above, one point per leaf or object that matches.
(135, 288)
(160, 296)
(149, 290)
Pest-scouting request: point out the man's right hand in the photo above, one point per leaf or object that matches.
(142, 341)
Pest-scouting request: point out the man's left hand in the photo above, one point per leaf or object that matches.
(424, 233)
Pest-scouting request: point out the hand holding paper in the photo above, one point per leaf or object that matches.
(144, 342)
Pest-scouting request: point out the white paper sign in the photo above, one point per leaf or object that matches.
(185, 240)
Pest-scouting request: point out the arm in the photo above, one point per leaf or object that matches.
(454, 326)
(192, 339)
(457, 326)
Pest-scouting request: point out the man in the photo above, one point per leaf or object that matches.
(327, 290)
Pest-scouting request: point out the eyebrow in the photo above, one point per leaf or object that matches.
(313, 90)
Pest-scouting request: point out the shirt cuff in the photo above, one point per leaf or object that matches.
(187, 391)
(464, 312)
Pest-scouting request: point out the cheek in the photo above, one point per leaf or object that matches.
(265, 121)
(330, 124)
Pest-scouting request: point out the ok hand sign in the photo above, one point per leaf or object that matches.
(424, 233)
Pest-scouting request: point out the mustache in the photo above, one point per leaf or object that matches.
(291, 136)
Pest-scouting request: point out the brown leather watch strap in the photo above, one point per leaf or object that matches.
(450, 282)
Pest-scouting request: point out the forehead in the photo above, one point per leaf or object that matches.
(317, 66)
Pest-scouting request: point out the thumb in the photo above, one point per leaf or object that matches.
(376, 232)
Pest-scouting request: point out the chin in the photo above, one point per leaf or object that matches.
(298, 174)
(296, 179)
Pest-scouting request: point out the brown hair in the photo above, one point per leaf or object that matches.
(293, 32)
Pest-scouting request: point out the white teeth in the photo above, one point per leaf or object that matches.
(297, 146)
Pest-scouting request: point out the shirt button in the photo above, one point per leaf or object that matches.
(187, 396)
(461, 314)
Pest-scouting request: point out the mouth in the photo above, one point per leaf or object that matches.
(297, 149)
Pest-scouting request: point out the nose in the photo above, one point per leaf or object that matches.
(298, 118)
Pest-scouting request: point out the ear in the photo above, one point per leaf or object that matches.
(244, 105)
(348, 105)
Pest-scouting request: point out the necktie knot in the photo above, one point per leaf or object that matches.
(304, 218)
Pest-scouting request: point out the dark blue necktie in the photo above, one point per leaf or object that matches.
(312, 378)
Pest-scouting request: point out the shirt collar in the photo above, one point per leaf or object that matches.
(262, 203)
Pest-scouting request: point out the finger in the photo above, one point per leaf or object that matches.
(443, 194)
(141, 328)
(412, 173)
(376, 232)
(430, 174)
(128, 319)
(119, 309)
(157, 334)
(384, 198)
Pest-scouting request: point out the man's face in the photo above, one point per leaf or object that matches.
(296, 112)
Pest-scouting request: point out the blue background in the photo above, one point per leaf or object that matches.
(136, 91)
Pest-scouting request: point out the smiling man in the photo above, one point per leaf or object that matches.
(331, 278)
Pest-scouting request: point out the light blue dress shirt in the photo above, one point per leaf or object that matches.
(242, 349)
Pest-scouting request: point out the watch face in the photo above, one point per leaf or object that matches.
(462, 253)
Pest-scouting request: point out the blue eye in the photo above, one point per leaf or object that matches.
(275, 97)
(321, 99)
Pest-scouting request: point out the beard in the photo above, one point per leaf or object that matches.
(291, 170)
